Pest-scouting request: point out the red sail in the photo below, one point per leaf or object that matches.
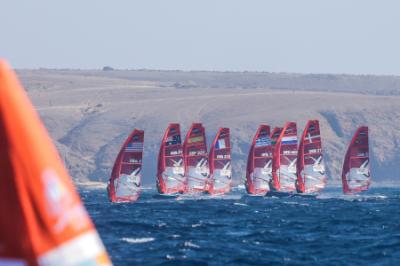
(311, 176)
(220, 163)
(259, 163)
(356, 169)
(284, 159)
(196, 159)
(170, 173)
(124, 184)
(43, 221)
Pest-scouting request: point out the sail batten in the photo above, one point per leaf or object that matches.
(356, 175)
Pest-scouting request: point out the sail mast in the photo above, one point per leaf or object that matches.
(285, 157)
(275, 134)
(300, 161)
(276, 161)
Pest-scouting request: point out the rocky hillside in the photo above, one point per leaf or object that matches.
(89, 113)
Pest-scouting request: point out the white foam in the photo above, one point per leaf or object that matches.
(190, 245)
(138, 240)
(296, 203)
(195, 225)
(170, 257)
(200, 196)
(228, 197)
(162, 224)
(370, 197)
(356, 197)
(91, 185)
(239, 187)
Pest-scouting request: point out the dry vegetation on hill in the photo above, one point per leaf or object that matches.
(89, 113)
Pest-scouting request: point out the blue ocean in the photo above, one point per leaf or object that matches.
(236, 229)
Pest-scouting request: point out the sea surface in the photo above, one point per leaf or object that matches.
(331, 229)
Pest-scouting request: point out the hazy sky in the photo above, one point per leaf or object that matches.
(319, 36)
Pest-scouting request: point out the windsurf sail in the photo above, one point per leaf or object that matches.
(356, 175)
(220, 181)
(170, 173)
(196, 159)
(124, 184)
(259, 163)
(284, 159)
(43, 221)
(311, 176)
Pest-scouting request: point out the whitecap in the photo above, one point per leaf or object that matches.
(227, 197)
(240, 187)
(170, 257)
(137, 240)
(355, 197)
(240, 204)
(162, 224)
(190, 245)
(200, 196)
(296, 203)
